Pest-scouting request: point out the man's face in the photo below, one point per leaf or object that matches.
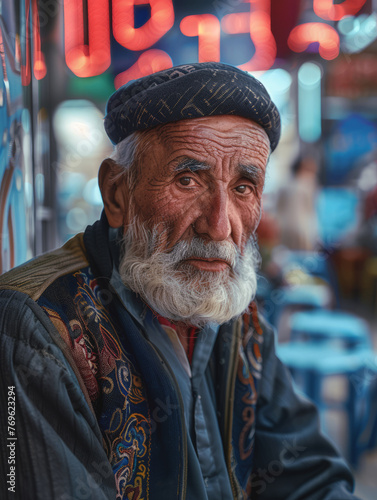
(188, 245)
(203, 178)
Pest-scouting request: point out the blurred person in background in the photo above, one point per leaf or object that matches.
(140, 364)
(296, 212)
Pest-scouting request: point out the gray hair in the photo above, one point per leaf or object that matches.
(126, 154)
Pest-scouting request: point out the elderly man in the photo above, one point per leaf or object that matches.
(139, 364)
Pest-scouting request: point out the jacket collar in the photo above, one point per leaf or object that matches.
(96, 241)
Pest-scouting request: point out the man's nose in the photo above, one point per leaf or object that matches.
(214, 221)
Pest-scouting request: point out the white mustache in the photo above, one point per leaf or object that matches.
(201, 249)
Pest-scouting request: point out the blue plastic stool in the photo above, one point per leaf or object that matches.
(327, 325)
(305, 296)
(313, 362)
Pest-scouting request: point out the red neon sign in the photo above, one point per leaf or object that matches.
(25, 68)
(149, 62)
(39, 65)
(207, 28)
(160, 22)
(303, 35)
(258, 24)
(334, 12)
(93, 58)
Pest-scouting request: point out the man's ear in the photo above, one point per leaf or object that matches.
(114, 192)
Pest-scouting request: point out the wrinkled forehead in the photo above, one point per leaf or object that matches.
(225, 135)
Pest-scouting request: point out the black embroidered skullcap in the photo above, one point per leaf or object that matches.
(190, 91)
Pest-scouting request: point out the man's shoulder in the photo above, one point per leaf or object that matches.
(33, 277)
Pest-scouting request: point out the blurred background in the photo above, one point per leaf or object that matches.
(60, 61)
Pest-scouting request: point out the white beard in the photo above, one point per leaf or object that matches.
(177, 290)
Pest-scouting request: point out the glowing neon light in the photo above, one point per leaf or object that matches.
(160, 22)
(334, 12)
(39, 65)
(303, 35)
(309, 102)
(25, 68)
(207, 28)
(93, 58)
(358, 32)
(258, 24)
(149, 62)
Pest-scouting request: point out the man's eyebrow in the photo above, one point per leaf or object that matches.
(250, 171)
(191, 164)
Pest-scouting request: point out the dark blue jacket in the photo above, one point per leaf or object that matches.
(89, 387)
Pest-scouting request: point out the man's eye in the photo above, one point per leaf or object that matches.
(185, 181)
(243, 189)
